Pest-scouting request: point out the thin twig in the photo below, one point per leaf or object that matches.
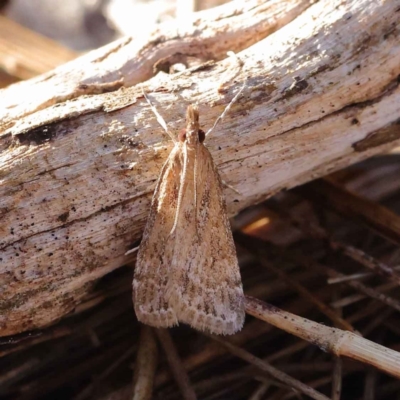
(336, 341)
(354, 298)
(251, 330)
(337, 379)
(335, 196)
(175, 363)
(221, 380)
(336, 389)
(352, 252)
(256, 245)
(377, 320)
(145, 366)
(89, 388)
(370, 385)
(357, 276)
(259, 393)
(275, 373)
(14, 374)
(368, 311)
(367, 260)
(322, 381)
(369, 292)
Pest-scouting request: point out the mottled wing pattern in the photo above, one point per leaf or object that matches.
(205, 287)
(153, 265)
(192, 274)
(187, 269)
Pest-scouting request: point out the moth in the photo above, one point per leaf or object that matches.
(187, 269)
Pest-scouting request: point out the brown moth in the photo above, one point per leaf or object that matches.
(187, 269)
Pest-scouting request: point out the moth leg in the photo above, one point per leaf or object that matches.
(132, 250)
(230, 187)
(159, 118)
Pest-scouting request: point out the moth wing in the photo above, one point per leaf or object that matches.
(205, 287)
(152, 270)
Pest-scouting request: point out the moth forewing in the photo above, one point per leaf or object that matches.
(187, 268)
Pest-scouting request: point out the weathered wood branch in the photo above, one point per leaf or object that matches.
(77, 175)
(126, 62)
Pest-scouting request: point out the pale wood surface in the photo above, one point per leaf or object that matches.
(128, 61)
(76, 177)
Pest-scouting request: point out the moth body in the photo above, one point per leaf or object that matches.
(187, 269)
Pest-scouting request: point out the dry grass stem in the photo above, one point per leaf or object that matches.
(275, 373)
(360, 287)
(259, 393)
(367, 260)
(256, 246)
(336, 341)
(337, 379)
(146, 365)
(175, 363)
(358, 255)
(89, 389)
(360, 275)
(370, 385)
(328, 193)
(376, 293)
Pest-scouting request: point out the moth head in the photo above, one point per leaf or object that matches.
(200, 133)
(192, 134)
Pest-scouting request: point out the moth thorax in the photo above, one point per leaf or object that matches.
(191, 137)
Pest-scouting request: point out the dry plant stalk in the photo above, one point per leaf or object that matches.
(90, 388)
(333, 340)
(260, 392)
(325, 309)
(354, 253)
(146, 365)
(337, 379)
(374, 293)
(175, 364)
(273, 372)
(327, 192)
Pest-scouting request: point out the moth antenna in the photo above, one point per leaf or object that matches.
(159, 118)
(181, 187)
(227, 108)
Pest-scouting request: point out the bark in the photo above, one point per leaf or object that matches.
(81, 150)
(126, 62)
